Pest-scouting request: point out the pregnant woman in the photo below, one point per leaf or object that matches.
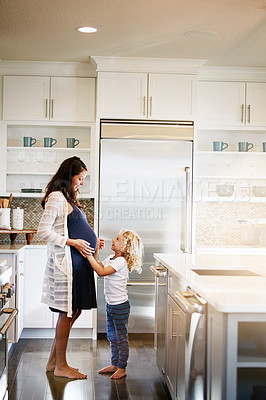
(69, 285)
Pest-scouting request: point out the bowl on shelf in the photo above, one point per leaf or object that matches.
(31, 190)
(225, 190)
(258, 191)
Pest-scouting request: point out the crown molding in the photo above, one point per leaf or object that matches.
(75, 69)
(159, 65)
(236, 74)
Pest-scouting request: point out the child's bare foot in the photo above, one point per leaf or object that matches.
(70, 373)
(119, 373)
(108, 370)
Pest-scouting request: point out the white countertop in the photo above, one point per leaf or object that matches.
(228, 294)
(15, 248)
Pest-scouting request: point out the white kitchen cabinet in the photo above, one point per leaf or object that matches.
(20, 293)
(85, 320)
(146, 96)
(175, 350)
(255, 104)
(67, 99)
(236, 356)
(232, 103)
(221, 103)
(36, 314)
(122, 95)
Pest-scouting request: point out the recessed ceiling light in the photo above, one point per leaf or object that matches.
(199, 34)
(86, 29)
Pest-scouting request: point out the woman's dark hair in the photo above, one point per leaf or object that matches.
(62, 180)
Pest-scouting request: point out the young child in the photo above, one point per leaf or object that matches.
(128, 248)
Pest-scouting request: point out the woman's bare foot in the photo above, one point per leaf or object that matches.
(70, 373)
(50, 367)
(108, 370)
(119, 373)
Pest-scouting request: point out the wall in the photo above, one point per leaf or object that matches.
(32, 215)
(218, 224)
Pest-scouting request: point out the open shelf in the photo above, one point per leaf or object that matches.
(34, 148)
(33, 167)
(248, 379)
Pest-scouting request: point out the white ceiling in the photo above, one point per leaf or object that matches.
(44, 30)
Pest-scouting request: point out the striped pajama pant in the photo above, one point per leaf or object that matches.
(117, 320)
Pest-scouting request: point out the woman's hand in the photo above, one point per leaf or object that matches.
(82, 246)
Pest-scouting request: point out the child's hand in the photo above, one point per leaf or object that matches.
(100, 243)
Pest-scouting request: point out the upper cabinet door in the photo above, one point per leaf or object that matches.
(72, 99)
(221, 103)
(122, 95)
(172, 97)
(255, 104)
(26, 98)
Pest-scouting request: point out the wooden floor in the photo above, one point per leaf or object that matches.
(29, 381)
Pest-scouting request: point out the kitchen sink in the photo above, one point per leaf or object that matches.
(225, 272)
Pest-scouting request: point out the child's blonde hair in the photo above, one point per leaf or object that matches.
(132, 250)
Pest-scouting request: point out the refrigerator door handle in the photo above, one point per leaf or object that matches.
(141, 283)
(187, 213)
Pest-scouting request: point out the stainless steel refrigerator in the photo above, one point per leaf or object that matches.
(146, 186)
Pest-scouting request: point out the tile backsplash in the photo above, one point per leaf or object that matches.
(32, 215)
(217, 223)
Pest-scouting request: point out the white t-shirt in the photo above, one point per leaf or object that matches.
(115, 290)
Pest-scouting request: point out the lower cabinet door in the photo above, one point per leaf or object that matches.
(171, 356)
(175, 354)
(36, 314)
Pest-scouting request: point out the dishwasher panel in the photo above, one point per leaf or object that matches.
(186, 344)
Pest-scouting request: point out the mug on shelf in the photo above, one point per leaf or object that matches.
(72, 142)
(219, 146)
(264, 146)
(28, 141)
(49, 142)
(5, 218)
(18, 216)
(244, 146)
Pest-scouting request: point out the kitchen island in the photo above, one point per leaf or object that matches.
(236, 318)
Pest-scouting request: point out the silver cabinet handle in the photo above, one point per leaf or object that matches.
(242, 113)
(174, 314)
(150, 105)
(46, 108)
(249, 113)
(52, 108)
(158, 271)
(144, 105)
(187, 213)
(140, 283)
